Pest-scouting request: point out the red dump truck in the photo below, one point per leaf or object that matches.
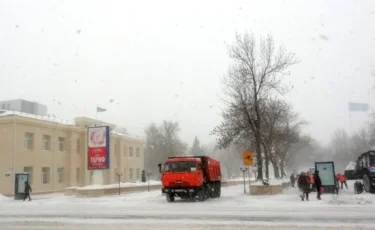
(190, 177)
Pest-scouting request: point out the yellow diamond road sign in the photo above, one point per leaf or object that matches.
(247, 158)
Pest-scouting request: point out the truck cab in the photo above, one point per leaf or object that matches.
(365, 170)
(189, 177)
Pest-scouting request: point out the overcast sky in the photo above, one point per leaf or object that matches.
(164, 60)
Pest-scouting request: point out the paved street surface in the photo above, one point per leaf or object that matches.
(70, 226)
(149, 210)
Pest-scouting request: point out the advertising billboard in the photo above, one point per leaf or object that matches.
(98, 148)
(22, 178)
(326, 173)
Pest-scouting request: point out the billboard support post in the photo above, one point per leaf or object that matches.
(148, 180)
(98, 151)
(119, 183)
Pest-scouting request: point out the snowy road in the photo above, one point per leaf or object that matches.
(233, 210)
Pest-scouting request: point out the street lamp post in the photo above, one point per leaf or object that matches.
(243, 170)
(148, 180)
(119, 181)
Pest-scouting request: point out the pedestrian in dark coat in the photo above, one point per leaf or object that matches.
(318, 184)
(304, 185)
(292, 179)
(27, 191)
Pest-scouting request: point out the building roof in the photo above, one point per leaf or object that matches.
(79, 121)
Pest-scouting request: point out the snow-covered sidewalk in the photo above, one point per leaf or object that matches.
(122, 185)
(232, 208)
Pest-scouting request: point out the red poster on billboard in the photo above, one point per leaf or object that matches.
(98, 148)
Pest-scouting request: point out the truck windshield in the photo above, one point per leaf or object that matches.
(180, 167)
(372, 161)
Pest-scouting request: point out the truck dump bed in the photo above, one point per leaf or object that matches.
(211, 167)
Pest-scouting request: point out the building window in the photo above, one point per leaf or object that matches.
(137, 152)
(138, 174)
(60, 174)
(130, 151)
(29, 170)
(61, 144)
(46, 143)
(29, 141)
(125, 151)
(130, 174)
(45, 175)
(78, 145)
(77, 174)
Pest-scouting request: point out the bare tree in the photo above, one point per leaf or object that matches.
(287, 139)
(230, 159)
(161, 142)
(274, 111)
(304, 153)
(196, 149)
(122, 130)
(347, 148)
(256, 73)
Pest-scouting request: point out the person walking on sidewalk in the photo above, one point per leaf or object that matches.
(27, 191)
(342, 179)
(292, 179)
(304, 185)
(318, 184)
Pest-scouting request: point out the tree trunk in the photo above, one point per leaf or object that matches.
(258, 151)
(282, 169)
(267, 163)
(276, 170)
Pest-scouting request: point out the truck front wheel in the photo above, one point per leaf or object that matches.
(367, 184)
(218, 194)
(170, 197)
(201, 195)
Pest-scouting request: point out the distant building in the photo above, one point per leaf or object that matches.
(24, 106)
(54, 152)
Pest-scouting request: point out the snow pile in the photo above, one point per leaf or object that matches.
(128, 135)
(4, 113)
(122, 185)
(271, 182)
(350, 166)
(3, 198)
(37, 117)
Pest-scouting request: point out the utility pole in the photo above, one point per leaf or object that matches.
(148, 180)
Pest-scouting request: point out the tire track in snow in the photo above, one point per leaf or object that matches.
(166, 218)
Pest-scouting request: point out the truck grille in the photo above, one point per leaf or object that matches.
(179, 184)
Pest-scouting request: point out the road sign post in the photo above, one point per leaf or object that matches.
(247, 158)
(244, 181)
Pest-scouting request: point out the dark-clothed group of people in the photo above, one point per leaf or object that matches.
(305, 183)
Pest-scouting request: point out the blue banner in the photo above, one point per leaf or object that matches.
(358, 107)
